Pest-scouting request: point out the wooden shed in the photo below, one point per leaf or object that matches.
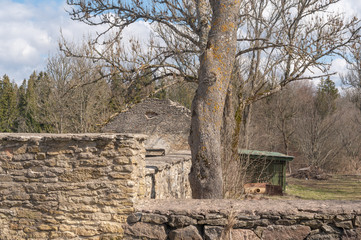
(268, 166)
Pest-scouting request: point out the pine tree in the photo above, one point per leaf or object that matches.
(21, 105)
(31, 109)
(327, 93)
(43, 87)
(8, 109)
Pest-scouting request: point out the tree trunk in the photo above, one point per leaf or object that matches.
(216, 64)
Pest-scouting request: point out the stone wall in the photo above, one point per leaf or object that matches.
(258, 219)
(167, 176)
(69, 186)
(92, 186)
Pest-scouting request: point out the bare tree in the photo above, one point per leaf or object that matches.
(281, 42)
(352, 79)
(78, 103)
(278, 41)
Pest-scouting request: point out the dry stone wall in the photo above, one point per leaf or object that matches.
(69, 186)
(241, 220)
(93, 186)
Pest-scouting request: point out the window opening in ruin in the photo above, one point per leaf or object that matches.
(151, 114)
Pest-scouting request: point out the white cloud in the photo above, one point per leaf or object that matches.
(349, 7)
(30, 32)
(338, 67)
(26, 37)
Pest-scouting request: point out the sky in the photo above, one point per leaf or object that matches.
(30, 30)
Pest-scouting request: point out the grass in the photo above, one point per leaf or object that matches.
(339, 187)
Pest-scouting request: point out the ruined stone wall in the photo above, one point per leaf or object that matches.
(69, 186)
(166, 177)
(251, 220)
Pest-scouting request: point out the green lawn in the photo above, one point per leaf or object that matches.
(339, 187)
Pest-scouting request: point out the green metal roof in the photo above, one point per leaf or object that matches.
(264, 154)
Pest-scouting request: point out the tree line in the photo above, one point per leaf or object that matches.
(318, 124)
(70, 96)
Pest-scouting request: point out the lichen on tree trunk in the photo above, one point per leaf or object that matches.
(208, 104)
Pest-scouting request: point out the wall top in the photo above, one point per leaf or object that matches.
(22, 137)
(279, 207)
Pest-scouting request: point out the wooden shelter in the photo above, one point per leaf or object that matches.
(268, 167)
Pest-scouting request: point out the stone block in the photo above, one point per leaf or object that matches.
(324, 236)
(40, 156)
(96, 162)
(18, 196)
(86, 231)
(214, 222)
(345, 217)
(38, 235)
(133, 218)
(181, 221)
(255, 217)
(20, 149)
(46, 227)
(101, 216)
(29, 229)
(187, 233)
(244, 224)
(261, 222)
(11, 166)
(119, 175)
(108, 227)
(286, 222)
(141, 230)
(344, 224)
(296, 232)
(127, 152)
(24, 157)
(50, 163)
(33, 149)
(5, 178)
(112, 237)
(80, 175)
(67, 235)
(313, 224)
(243, 234)
(121, 160)
(15, 226)
(301, 216)
(324, 216)
(124, 168)
(271, 217)
(212, 232)
(31, 174)
(154, 218)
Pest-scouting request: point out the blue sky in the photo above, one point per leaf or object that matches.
(30, 30)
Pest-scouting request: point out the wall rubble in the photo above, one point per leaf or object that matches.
(262, 219)
(69, 186)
